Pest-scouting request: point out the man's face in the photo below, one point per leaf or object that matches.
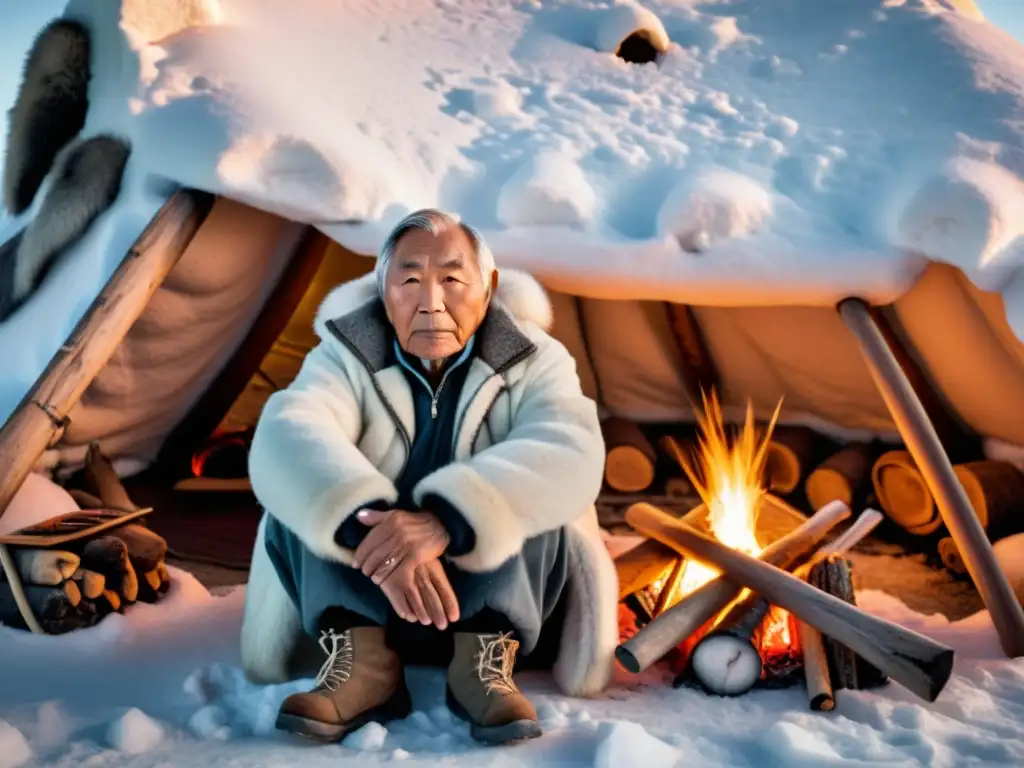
(434, 295)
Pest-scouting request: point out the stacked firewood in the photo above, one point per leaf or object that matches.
(78, 584)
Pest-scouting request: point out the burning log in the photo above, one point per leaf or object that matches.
(700, 606)
(670, 587)
(727, 660)
(816, 668)
(918, 663)
(791, 454)
(43, 567)
(642, 566)
(630, 461)
(845, 476)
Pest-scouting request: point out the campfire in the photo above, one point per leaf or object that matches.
(731, 615)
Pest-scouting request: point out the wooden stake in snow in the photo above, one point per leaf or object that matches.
(692, 612)
(43, 413)
(917, 662)
(954, 506)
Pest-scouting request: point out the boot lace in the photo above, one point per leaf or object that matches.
(495, 661)
(338, 667)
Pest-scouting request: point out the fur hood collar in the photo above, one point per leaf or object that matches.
(518, 292)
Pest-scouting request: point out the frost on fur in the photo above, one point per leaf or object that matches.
(49, 111)
(85, 184)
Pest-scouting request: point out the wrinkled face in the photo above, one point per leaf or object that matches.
(434, 295)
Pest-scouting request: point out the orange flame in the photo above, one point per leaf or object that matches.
(728, 479)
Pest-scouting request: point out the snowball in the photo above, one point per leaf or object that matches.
(711, 206)
(547, 190)
(969, 216)
(400, 754)
(134, 733)
(53, 724)
(792, 744)
(501, 99)
(14, 749)
(369, 738)
(210, 722)
(625, 743)
(627, 18)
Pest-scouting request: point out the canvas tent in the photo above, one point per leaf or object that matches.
(306, 180)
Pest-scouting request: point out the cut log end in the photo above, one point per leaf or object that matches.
(630, 459)
(726, 665)
(904, 494)
(823, 702)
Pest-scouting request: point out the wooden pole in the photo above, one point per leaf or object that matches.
(43, 414)
(697, 608)
(918, 663)
(954, 506)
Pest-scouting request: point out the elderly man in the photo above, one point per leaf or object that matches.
(432, 469)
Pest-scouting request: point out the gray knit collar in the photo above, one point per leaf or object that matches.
(368, 333)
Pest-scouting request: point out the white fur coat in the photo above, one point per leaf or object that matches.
(528, 458)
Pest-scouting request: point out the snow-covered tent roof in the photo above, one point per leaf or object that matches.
(775, 154)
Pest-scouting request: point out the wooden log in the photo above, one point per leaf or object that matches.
(820, 693)
(817, 677)
(43, 413)
(109, 555)
(43, 567)
(667, 593)
(727, 661)
(792, 452)
(832, 575)
(113, 599)
(927, 450)
(50, 605)
(165, 578)
(996, 492)
(949, 553)
(843, 476)
(903, 493)
(146, 550)
(630, 462)
(102, 481)
(697, 608)
(920, 664)
(149, 586)
(1010, 556)
(91, 583)
(642, 566)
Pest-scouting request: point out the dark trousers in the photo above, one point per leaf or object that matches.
(524, 595)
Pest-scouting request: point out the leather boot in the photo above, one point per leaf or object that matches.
(481, 690)
(361, 681)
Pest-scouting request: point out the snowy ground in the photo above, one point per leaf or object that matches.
(161, 686)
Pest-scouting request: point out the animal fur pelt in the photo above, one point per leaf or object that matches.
(86, 183)
(49, 111)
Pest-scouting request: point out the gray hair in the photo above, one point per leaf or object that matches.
(435, 222)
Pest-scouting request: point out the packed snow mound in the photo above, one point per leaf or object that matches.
(521, 117)
(162, 686)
